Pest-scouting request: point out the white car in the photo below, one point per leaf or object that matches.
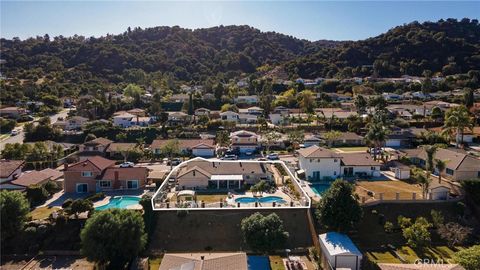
(273, 156)
(14, 132)
(127, 164)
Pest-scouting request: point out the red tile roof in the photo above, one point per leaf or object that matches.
(37, 177)
(97, 161)
(7, 167)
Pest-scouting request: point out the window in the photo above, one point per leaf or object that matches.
(449, 171)
(132, 184)
(87, 174)
(334, 172)
(372, 168)
(335, 160)
(82, 188)
(105, 184)
(478, 174)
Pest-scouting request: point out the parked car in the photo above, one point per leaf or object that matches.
(14, 132)
(174, 161)
(273, 156)
(127, 164)
(230, 157)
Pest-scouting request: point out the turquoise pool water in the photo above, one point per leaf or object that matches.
(319, 189)
(268, 199)
(120, 202)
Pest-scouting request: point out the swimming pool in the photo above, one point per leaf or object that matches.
(258, 262)
(268, 199)
(319, 189)
(120, 202)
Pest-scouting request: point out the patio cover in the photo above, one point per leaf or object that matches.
(220, 177)
(186, 193)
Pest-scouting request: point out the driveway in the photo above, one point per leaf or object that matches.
(21, 135)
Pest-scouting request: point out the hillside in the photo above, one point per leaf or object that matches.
(226, 52)
(186, 54)
(449, 47)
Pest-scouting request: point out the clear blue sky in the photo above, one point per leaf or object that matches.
(309, 20)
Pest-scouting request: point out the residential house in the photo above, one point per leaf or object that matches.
(319, 163)
(460, 165)
(359, 165)
(71, 123)
(279, 115)
(204, 174)
(12, 112)
(202, 112)
(400, 170)
(99, 174)
(247, 118)
(177, 118)
(95, 147)
(310, 140)
(126, 119)
(10, 169)
(230, 116)
(251, 100)
(252, 110)
(345, 139)
(400, 138)
(137, 112)
(204, 261)
(195, 147)
(244, 141)
(392, 96)
(32, 178)
(335, 112)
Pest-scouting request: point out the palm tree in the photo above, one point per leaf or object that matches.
(457, 119)
(376, 135)
(423, 179)
(430, 150)
(441, 165)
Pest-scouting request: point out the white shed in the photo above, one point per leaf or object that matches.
(340, 251)
(438, 193)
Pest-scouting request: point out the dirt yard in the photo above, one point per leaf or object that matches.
(46, 262)
(388, 188)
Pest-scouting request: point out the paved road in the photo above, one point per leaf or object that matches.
(21, 135)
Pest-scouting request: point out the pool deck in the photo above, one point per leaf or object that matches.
(110, 195)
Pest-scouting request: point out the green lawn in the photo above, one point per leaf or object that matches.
(154, 262)
(276, 263)
(352, 149)
(373, 240)
(42, 212)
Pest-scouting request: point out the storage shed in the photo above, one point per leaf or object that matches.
(339, 251)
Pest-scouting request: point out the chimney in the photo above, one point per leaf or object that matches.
(116, 175)
(65, 166)
(202, 257)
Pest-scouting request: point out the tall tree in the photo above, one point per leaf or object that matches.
(469, 97)
(113, 237)
(264, 233)
(457, 120)
(306, 101)
(440, 165)
(14, 208)
(339, 209)
(169, 149)
(430, 150)
(360, 104)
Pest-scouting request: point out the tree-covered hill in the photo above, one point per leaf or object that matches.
(226, 52)
(186, 54)
(447, 46)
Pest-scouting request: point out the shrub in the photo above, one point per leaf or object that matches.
(67, 203)
(469, 258)
(417, 234)
(80, 206)
(96, 197)
(404, 222)
(437, 218)
(52, 187)
(388, 227)
(454, 233)
(264, 233)
(37, 194)
(14, 210)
